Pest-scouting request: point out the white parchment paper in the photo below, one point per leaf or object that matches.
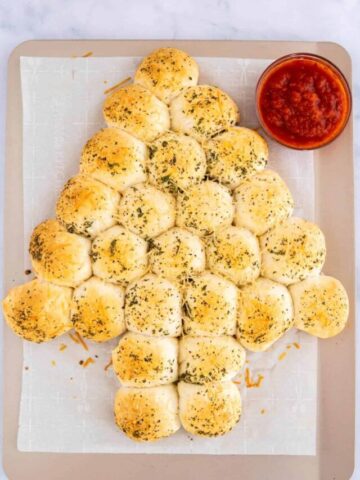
(68, 408)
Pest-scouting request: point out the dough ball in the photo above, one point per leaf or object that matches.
(235, 154)
(321, 306)
(115, 158)
(119, 256)
(153, 307)
(292, 251)
(234, 253)
(38, 311)
(147, 211)
(166, 71)
(205, 208)
(97, 310)
(142, 361)
(202, 111)
(58, 256)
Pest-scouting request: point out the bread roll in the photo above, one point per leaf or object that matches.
(38, 311)
(203, 360)
(86, 206)
(115, 158)
(292, 251)
(147, 414)
(235, 154)
(142, 361)
(210, 306)
(177, 254)
(137, 111)
(146, 211)
(58, 256)
(205, 208)
(176, 162)
(97, 310)
(166, 71)
(262, 201)
(234, 253)
(321, 306)
(119, 256)
(153, 307)
(209, 410)
(265, 313)
(202, 111)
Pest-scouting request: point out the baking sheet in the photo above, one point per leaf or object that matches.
(66, 408)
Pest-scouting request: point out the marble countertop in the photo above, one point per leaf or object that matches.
(327, 20)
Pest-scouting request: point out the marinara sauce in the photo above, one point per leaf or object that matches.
(303, 101)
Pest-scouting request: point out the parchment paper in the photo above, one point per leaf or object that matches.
(68, 408)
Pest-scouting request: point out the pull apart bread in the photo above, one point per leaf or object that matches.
(174, 228)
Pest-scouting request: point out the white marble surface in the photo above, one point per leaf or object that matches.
(328, 20)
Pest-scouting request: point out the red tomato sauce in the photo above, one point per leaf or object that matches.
(303, 102)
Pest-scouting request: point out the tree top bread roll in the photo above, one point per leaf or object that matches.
(235, 154)
(202, 111)
(209, 410)
(38, 311)
(97, 310)
(137, 111)
(321, 306)
(176, 162)
(147, 414)
(166, 71)
(115, 158)
(142, 361)
(153, 307)
(265, 313)
(205, 208)
(86, 206)
(292, 250)
(58, 256)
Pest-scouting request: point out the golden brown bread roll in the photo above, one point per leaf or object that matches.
(119, 256)
(115, 158)
(176, 162)
(202, 111)
(204, 208)
(86, 206)
(137, 111)
(58, 256)
(321, 306)
(210, 304)
(177, 254)
(147, 414)
(166, 71)
(262, 201)
(235, 154)
(265, 313)
(147, 211)
(209, 410)
(203, 359)
(153, 307)
(293, 250)
(234, 253)
(142, 361)
(97, 310)
(38, 311)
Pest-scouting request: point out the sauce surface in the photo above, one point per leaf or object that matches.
(303, 102)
